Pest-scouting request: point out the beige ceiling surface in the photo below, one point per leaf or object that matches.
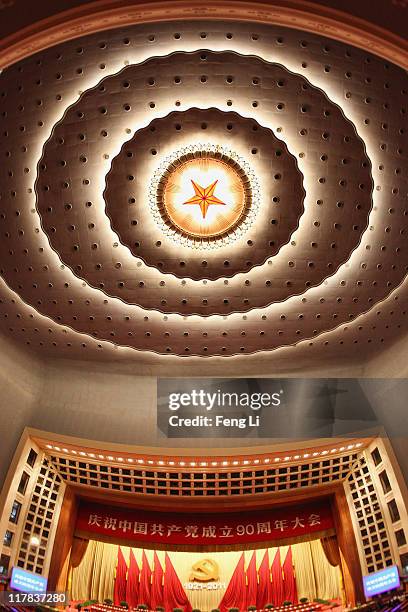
(84, 128)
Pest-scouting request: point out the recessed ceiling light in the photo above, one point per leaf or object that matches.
(34, 541)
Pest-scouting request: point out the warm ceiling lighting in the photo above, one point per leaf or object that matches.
(212, 463)
(34, 541)
(205, 199)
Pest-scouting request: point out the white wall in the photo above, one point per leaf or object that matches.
(20, 383)
(115, 403)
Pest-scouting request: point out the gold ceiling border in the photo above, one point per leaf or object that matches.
(104, 15)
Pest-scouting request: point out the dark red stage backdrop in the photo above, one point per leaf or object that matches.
(115, 523)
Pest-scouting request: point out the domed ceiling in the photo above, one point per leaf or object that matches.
(203, 189)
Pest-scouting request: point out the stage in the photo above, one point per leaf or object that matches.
(208, 580)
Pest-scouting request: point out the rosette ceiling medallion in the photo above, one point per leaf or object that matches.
(203, 188)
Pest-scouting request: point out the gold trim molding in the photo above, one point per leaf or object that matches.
(109, 14)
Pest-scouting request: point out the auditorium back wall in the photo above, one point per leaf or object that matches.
(102, 403)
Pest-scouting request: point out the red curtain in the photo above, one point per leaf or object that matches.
(235, 595)
(157, 584)
(78, 550)
(251, 581)
(277, 581)
(119, 592)
(264, 594)
(331, 550)
(132, 587)
(290, 590)
(174, 594)
(145, 582)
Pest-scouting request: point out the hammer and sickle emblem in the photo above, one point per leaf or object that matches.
(205, 571)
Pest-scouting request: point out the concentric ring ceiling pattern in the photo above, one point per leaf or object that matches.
(88, 127)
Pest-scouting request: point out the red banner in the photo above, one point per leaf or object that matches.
(115, 523)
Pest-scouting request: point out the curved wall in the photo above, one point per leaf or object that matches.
(109, 403)
(20, 382)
